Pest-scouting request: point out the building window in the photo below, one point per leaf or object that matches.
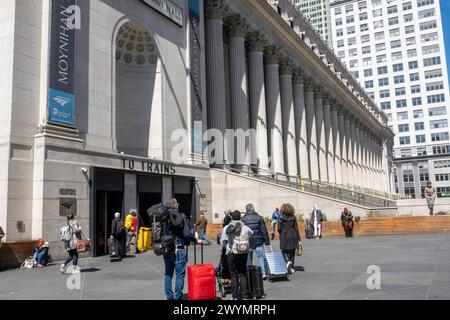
(410, 41)
(380, 47)
(353, 63)
(382, 70)
(429, 37)
(417, 101)
(405, 140)
(392, 9)
(438, 124)
(396, 56)
(401, 103)
(423, 165)
(431, 61)
(394, 32)
(368, 84)
(407, 6)
(415, 89)
(442, 177)
(421, 3)
(410, 192)
(403, 127)
(435, 86)
(421, 152)
(440, 111)
(442, 164)
(413, 65)
(382, 58)
(339, 33)
(338, 10)
(348, 8)
(420, 138)
(400, 92)
(385, 105)
(340, 43)
(408, 178)
(397, 67)
(441, 136)
(365, 38)
(419, 126)
(393, 21)
(424, 177)
(443, 192)
(411, 53)
(351, 41)
(385, 94)
(363, 16)
(433, 74)
(377, 12)
(431, 49)
(418, 114)
(379, 35)
(399, 79)
(441, 149)
(395, 44)
(409, 29)
(362, 5)
(408, 17)
(352, 52)
(376, 2)
(366, 50)
(350, 19)
(428, 25)
(402, 116)
(383, 82)
(364, 27)
(405, 153)
(414, 77)
(339, 22)
(367, 61)
(368, 72)
(426, 13)
(378, 24)
(436, 98)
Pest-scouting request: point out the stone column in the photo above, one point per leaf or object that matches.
(273, 101)
(215, 72)
(365, 168)
(349, 145)
(300, 124)
(287, 109)
(321, 151)
(311, 131)
(329, 145)
(237, 28)
(357, 154)
(336, 136)
(343, 144)
(386, 186)
(257, 90)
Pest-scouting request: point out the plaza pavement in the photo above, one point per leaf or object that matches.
(412, 267)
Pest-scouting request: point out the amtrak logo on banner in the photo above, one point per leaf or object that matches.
(66, 18)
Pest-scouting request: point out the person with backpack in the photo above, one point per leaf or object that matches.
(289, 235)
(177, 233)
(275, 217)
(118, 233)
(70, 234)
(259, 236)
(236, 241)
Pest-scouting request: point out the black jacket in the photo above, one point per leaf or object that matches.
(256, 223)
(226, 221)
(289, 235)
(114, 226)
(179, 234)
(319, 216)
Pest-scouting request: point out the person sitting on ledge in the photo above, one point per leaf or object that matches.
(41, 255)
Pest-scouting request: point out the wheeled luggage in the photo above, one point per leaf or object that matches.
(275, 265)
(218, 236)
(201, 280)
(144, 240)
(309, 231)
(255, 282)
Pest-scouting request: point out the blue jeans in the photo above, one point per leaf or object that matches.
(42, 258)
(272, 225)
(73, 256)
(174, 261)
(203, 235)
(259, 255)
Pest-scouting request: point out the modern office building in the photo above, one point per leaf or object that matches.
(395, 48)
(318, 13)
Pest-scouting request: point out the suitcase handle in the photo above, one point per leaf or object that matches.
(195, 253)
(270, 246)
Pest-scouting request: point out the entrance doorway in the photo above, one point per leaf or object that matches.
(149, 194)
(182, 191)
(108, 200)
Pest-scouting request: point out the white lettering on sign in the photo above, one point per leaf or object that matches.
(168, 9)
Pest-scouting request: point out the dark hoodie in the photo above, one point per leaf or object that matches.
(256, 223)
(289, 235)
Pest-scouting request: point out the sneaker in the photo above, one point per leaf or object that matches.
(264, 277)
(288, 265)
(292, 270)
(62, 268)
(75, 271)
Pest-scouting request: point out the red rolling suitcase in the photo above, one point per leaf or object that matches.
(201, 280)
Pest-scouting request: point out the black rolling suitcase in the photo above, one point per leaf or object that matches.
(113, 248)
(255, 282)
(309, 231)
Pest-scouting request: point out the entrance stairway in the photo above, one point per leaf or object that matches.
(360, 196)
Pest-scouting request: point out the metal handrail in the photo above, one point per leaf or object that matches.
(311, 186)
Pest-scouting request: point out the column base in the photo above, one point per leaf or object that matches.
(58, 131)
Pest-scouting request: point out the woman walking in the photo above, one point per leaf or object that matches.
(71, 245)
(430, 195)
(289, 235)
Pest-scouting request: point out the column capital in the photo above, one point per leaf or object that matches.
(286, 66)
(348, 116)
(236, 26)
(327, 100)
(256, 41)
(272, 54)
(214, 9)
(319, 92)
(299, 76)
(309, 84)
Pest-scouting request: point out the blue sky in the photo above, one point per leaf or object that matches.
(445, 12)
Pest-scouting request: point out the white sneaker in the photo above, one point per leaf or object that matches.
(62, 268)
(288, 265)
(75, 271)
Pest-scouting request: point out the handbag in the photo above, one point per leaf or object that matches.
(299, 249)
(83, 245)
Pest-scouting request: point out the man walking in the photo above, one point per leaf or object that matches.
(118, 233)
(430, 195)
(130, 226)
(258, 238)
(317, 218)
(178, 231)
(201, 225)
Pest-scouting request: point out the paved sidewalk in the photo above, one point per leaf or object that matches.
(412, 267)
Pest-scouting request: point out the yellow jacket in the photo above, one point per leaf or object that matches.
(129, 223)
